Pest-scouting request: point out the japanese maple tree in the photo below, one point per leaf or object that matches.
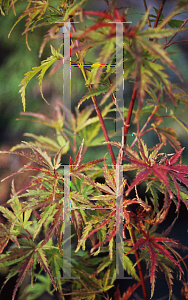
(31, 240)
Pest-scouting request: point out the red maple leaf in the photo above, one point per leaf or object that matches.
(149, 164)
(155, 248)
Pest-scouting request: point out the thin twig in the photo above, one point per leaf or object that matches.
(159, 13)
(168, 44)
(176, 43)
(147, 122)
(145, 5)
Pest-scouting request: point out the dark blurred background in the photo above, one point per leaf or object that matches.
(16, 60)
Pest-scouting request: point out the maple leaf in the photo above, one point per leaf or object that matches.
(46, 167)
(128, 293)
(165, 170)
(165, 133)
(104, 224)
(25, 257)
(5, 236)
(152, 244)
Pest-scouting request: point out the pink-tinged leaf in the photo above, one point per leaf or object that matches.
(143, 150)
(139, 244)
(166, 253)
(57, 114)
(7, 213)
(163, 239)
(96, 229)
(24, 268)
(88, 165)
(40, 169)
(58, 216)
(129, 167)
(57, 158)
(26, 155)
(58, 64)
(160, 167)
(37, 115)
(104, 188)
(41, 156)
(140, 163)
(99, 13)
(175, 157)
(119, 145)
(42, 203)
(181, 169)
(13, 174)
(129, 292)
(153, 259)
(4, 237)
(3, 244)
(78, 158)
(14, 239)
(76, 219)
(108, 177)
(168, 276)
(181, 178)
(161, 216)
(178, 192)
(167, 134)
(155, 151)
(113, 233)
(54, 187)
(139, 178)
(94, 27)
(120, 156)
(32, 184)
(41, 258)
(156, 49)
(131, 153)
(162, 177)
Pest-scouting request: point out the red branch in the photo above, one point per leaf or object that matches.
(127, 123)
(139, 267)
(159, 13)
(104, 131)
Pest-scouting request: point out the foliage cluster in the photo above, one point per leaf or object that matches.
(32, 237)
